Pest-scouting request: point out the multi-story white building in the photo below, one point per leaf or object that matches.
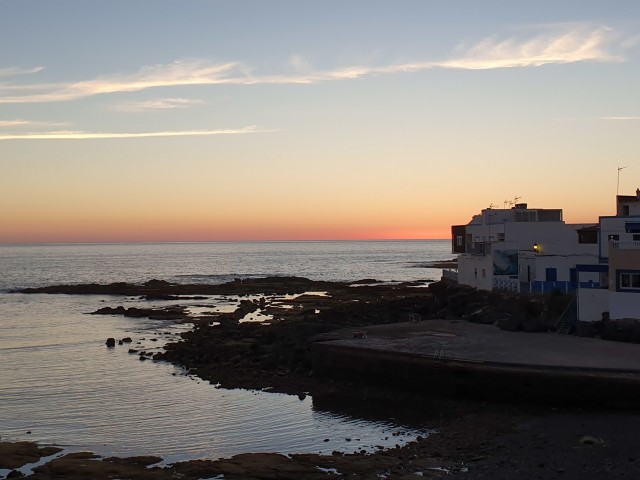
(619, 265)
(524, 249)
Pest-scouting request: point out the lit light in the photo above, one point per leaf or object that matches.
(536, 248)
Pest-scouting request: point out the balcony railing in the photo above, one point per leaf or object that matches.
(479, 248)
(507, 284)
(624, 245)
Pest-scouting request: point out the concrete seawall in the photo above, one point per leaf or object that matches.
(461, 359)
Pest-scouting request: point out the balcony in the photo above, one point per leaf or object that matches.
(624, 245)
(479, 248)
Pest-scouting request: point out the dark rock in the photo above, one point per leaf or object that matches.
(622, 330)
(157, 284)
(111, 342)
(120, 310)
(127, 340)
(589, 329)
(15, 474)
(512, 323)
(534, 324)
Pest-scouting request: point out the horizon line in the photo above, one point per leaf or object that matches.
(134, 242)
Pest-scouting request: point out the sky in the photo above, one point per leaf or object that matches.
(194, 120)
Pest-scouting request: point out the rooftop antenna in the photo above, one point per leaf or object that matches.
(491, 205)
(515, 199)
(618, 186)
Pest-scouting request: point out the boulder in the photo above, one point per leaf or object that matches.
(622, 330)
(111, 342)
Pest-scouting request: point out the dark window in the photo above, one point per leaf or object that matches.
(588, 236)
(630, 281)
(614, 237)
(573, 276)
(551, 274)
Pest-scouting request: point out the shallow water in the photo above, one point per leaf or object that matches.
(60, 382)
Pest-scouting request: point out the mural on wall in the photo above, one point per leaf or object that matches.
(505, 262)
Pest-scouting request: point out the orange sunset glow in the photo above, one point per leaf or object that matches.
(343, 133)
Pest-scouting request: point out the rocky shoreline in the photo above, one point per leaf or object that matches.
(474, 439)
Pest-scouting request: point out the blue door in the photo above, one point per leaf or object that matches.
(551, 274)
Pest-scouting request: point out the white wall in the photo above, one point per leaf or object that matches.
(563, 266)
(614, 226)
(624, 305)
(553, 238)
(468, 265)
(591, 303)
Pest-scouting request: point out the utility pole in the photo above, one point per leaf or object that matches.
(618, 185)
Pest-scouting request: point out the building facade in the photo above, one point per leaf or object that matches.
(523, 249)
(619, 262)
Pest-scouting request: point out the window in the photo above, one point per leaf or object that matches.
(501, 237)
(636, 237)
(632, 227)
(630, 281)
(459, 240)
(484, 273)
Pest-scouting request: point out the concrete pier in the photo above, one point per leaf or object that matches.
(454, 357)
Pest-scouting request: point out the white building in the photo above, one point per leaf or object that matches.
(619, 265)
(524, 249)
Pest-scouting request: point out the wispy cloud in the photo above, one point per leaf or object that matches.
(78, 135)
(29, 123)
(14, 123)
(158, 104)
(13, 71)
(554, 45)
(631, 118)
(174, 74)
(577, 44)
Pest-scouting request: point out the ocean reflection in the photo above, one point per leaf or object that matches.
(61, 383)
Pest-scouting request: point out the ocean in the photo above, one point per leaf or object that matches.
(60, 385)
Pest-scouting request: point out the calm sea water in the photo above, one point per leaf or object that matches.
(60, 383)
